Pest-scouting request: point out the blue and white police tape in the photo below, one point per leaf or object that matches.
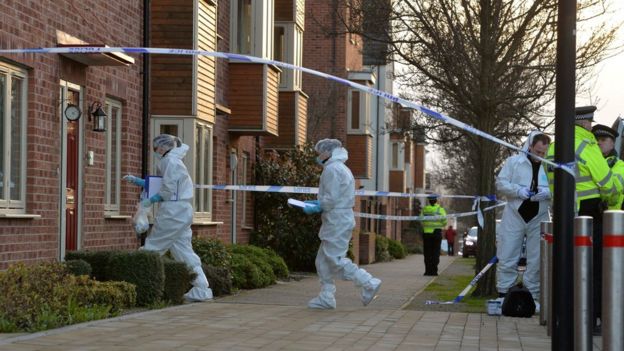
(472, 283)
(164, 51)
(425, 218)
(313, 190)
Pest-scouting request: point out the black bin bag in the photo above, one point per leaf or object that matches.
(518, 302)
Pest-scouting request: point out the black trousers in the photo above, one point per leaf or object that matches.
(431, 248)
(594, 209)
(451, 249)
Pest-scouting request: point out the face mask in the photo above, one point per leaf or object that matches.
(157, 155)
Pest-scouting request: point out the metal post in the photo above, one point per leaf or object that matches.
(544, 273)
(549, 284)
(563, 208)
(612, 281)
(583, 283)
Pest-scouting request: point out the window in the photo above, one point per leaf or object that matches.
(279, 52)
(251, 27)
(397, 160)
(288, 47)
(13, 99)
(358, 112)
(244, 181)
(203, 170)
(113, 156)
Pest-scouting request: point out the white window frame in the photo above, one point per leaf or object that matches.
(203, 160)
(7, 205)
(364, 105)
(293, 54)
(261, 28)
(400, 147)
(113, 207)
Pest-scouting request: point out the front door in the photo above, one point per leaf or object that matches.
(70, 165)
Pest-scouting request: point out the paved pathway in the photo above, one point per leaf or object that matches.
(276, 319)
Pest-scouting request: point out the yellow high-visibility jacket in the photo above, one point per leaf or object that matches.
(594, 178)
(617, 167)
(433, 210)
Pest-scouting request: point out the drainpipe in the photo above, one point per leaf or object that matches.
(377, 133)
(146, 83)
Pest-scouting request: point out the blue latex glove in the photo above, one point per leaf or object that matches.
(312, 209)
(134, 180)
(524, 193)
(151, 200)
(313, 202)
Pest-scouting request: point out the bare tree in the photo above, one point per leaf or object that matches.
(488, 63)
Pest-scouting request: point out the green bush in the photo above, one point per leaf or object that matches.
(245, 274)
(97, 259)
(277, 263)
(219, 278)
(46, 295)
(143, 269)
(292, 234)
(212, 252)
(381, 249)
(396, 249)
(178, 279)
(78, 267)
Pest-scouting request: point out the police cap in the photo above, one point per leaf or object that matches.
(584, 112)
(600, 130)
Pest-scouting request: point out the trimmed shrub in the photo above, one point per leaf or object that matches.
(381, 249)
(212, 252)
(219, 278)
(46, 295)
(178, 279)
(260, 258)
(143, 269)
(245, 274)
(97, 259)
(277, 263)
(396, 249)
(78, 267)
(292, 234)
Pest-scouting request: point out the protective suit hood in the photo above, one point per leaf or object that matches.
(179, 152)
(339, 154)
(529, 140)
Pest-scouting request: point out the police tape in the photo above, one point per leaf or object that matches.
(426, 218)
(164, 51)
(313, 190)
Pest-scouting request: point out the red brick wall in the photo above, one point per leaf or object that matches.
(34, 24)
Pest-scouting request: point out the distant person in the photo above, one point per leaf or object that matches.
(432, 234)
(450, 235)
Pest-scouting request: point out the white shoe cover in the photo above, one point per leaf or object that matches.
(323, 302)
(197, 294)
(537, 307)
(370, 290)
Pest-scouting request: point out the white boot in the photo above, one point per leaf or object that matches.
(325, 300)
(370, 290)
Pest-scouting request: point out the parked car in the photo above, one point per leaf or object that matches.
(469, 242)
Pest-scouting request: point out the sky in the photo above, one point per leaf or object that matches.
(608, 92)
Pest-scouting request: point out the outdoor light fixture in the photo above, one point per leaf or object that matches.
(99, 117)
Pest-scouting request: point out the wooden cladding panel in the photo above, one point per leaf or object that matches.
(254, 99)
(272, 107)
(419, 166)
(206, 80)
(287, 122)
(171, 26)
(397, 181)
(284, 10)
(360, 149)
(302, 119)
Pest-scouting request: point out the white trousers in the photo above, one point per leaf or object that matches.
(511, 235)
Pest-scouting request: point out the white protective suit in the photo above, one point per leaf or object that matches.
(337, 197)
(172, 224)
(517, 173)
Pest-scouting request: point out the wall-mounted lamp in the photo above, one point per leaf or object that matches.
(99, 117)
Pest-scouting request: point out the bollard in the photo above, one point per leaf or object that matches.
(583, 283)
(548, 308)
(544, 273)
(612, 281)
